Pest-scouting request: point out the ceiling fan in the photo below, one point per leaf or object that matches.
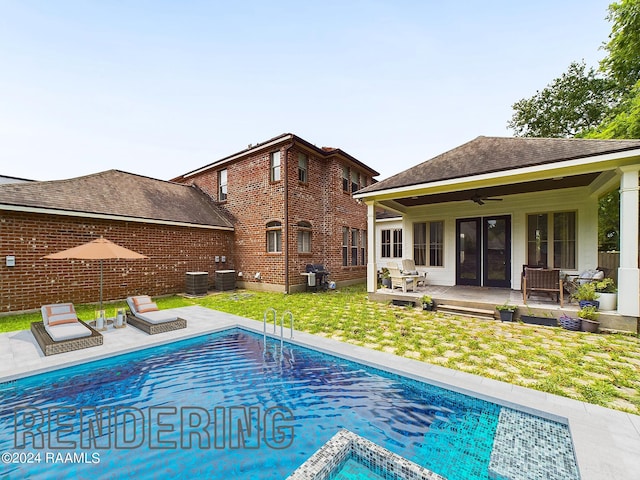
(480, 199)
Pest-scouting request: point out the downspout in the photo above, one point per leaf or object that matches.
(286, 217)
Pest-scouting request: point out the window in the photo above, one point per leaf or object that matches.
(345, 179)
(363, 248)
(436, 244)
(275, 167)
(363, 181)
(345, 246)
(552, 237)
(386, 244)
(354, 181)
(303, 168)
(397, 243)
(537, 239)
(274, 237)
(392, 243)
(355, 234)
(222, 185)
(428, 244)
(564, 240)
(304, 237)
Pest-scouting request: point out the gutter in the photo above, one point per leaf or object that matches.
(70, 213)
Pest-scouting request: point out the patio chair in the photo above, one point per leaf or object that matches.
(542, 280)
(398, 279)
(409, 268)
(61, 331)
(573, 282)
(145, 315)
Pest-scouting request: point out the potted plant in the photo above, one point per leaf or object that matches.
(587, 295)
(570, 323)
(506, 311)
(427, 302)
(589, 319)
(386, 277)
(545, 319)
(608, 294)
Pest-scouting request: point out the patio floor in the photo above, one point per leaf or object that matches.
(606, 441)
(487, 298)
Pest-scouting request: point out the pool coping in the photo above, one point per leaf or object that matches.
(606, 441)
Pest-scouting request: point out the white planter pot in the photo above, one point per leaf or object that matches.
(608, 301)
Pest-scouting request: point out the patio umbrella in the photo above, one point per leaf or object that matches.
(98, 249)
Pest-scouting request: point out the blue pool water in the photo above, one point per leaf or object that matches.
(151, 397)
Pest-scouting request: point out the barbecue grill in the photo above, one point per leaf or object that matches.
(321, 276)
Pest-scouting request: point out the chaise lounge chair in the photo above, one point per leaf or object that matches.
(144, 315)
(61, 331)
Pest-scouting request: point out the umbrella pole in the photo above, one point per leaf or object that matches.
(100, 285)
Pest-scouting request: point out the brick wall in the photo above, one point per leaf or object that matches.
(253, 201)
(34, 281)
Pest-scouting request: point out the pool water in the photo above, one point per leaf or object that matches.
(224, 375)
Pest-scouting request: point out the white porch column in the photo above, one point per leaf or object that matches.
(628, 273)
(372, 268)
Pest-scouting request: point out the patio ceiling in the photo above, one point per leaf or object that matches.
(500, 190)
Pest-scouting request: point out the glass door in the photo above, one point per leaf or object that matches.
(468, 240)
(496, 239)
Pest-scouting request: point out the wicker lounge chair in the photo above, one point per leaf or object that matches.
(61, 331)
(145, 316)
(542, 280)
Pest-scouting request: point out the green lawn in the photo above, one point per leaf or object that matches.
(600, 369)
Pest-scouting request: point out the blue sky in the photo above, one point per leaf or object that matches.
(160, 88)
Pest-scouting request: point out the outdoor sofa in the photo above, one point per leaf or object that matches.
(145, 315)
(61, 331)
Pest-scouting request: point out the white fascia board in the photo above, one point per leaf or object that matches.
(69, 213)
(224, 161)
(518, 175)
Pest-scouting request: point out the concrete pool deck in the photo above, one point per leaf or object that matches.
(606, 442)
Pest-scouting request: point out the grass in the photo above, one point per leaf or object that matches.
(601, 369)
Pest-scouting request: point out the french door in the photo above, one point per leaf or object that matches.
(483, 251)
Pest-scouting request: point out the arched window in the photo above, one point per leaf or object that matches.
(304, 237)
(274, 237)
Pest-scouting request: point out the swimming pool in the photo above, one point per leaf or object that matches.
(227, 375)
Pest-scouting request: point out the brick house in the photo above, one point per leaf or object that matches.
(270, 209)
(291, 204)
(176, 226)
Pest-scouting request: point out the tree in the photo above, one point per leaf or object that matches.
(624, 122)
(622, 63)
(573, 103)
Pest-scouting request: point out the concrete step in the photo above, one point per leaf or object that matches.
(466, 311)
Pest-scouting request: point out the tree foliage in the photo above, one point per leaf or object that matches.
(573, 103)
(625, 119)
(622, 63)
(586, 104)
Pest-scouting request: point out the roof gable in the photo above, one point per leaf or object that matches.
(323, 152)
(494, 154)
(117, 193)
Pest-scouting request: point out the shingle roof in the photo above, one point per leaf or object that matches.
(119, 193)
(323, 152)
(494, 154)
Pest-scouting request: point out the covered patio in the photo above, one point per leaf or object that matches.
(475, 216)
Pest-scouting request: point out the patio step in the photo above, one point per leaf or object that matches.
(466, 311)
